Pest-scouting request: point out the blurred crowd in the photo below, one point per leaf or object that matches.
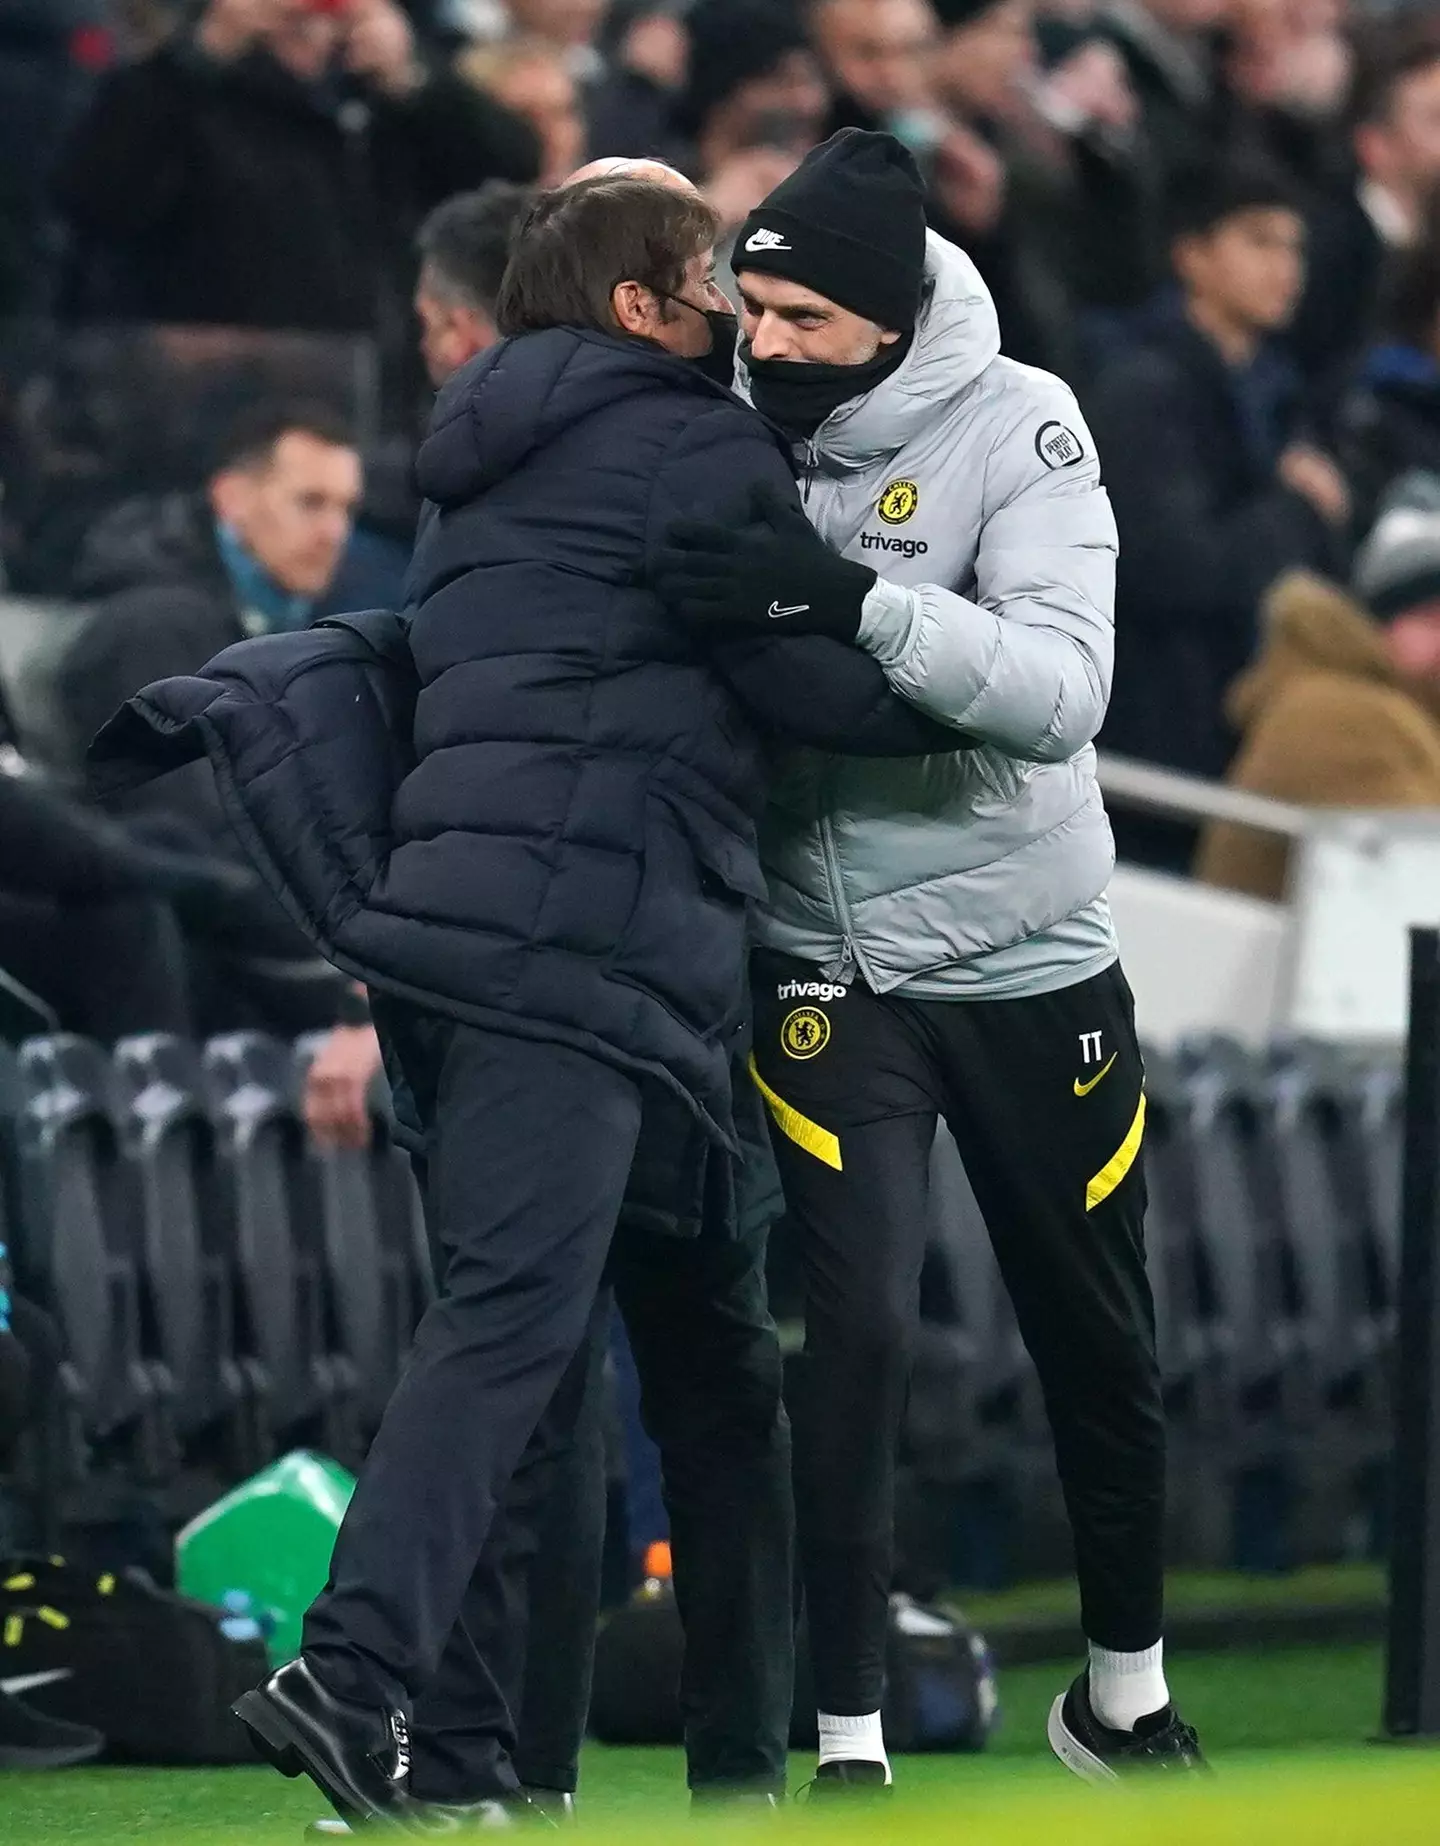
(1217, 219)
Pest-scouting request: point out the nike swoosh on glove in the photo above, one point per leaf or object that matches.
(773, 573)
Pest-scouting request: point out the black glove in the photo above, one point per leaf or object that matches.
(774, 573)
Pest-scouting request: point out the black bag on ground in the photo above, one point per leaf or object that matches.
(155, 1672)
(940, 1691)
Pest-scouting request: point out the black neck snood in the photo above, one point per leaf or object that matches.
(799, 396)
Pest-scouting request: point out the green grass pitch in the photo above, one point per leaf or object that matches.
(1289, 1733)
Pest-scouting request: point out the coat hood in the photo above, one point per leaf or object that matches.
(512, 400)
(1310, 626)
(157, 539)
(956, 337)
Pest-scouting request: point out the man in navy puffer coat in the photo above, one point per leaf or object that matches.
(556, 933)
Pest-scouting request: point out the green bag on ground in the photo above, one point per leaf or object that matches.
(263, 1552)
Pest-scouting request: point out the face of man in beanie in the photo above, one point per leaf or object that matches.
(830, 266)
(783, 320)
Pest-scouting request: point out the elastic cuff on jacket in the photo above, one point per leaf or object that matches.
(886, 618)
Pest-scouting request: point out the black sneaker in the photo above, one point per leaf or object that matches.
(358, 1756)
(29, 1739)
(1091, 1749)
(856, 1779)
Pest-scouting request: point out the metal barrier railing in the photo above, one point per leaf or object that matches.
(1146, 789)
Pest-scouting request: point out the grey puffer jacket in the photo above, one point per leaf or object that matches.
(971, 484)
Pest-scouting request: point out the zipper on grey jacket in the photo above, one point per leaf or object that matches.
(812, 462)
(852, 958)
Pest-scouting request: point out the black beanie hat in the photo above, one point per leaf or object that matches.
(849, 223)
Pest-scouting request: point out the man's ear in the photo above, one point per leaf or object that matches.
(226, 492)
(633, 307)
(480, 330)
(887, 337)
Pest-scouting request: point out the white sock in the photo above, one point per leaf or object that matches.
(1127, 1687)
(853, 1740)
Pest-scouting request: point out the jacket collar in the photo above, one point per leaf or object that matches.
(956, 338)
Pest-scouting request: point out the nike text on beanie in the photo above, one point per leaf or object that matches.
(850, 224)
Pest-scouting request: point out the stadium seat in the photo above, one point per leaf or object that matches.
(1371, 1102)
(1198, 1468)
(1235, 1228)
(188, 1235)
(85, 1248)
(302, 1387)
(1266, 1270)
(1170, 1250)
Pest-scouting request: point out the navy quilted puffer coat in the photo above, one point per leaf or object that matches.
(577, 833)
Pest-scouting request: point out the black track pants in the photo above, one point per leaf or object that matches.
(1044, 1098)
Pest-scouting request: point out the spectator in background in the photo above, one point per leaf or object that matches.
(1215, 492)
(269, 168)
(754, 103)
(1051, 100)
(988, 57)
(178, 579)
(1379, 210)
(464, 246)
(878, 56)
(646, 51)
(1292, 63)
(1392, 424)
(48, 49)
(1170, 52)
(185, 575)
(1342, 709)
(993, 173)
(569, 26)
(533, 80)
(753, 83)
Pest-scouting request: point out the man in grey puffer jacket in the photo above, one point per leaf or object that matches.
(937, 940)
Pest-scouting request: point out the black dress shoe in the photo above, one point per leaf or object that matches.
(544, 1807)
(29, 1739)
(358, 1756)
(850, 1778)
(437, 1818)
